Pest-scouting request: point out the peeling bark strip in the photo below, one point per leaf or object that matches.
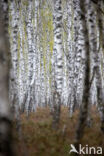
(5, 121)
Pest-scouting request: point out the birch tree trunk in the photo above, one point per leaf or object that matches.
(86, 59)
(58, 65)
(91, 23)
(79, 54)
(15, 53)
(71, 58)
(5, 119)
(99, 76)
